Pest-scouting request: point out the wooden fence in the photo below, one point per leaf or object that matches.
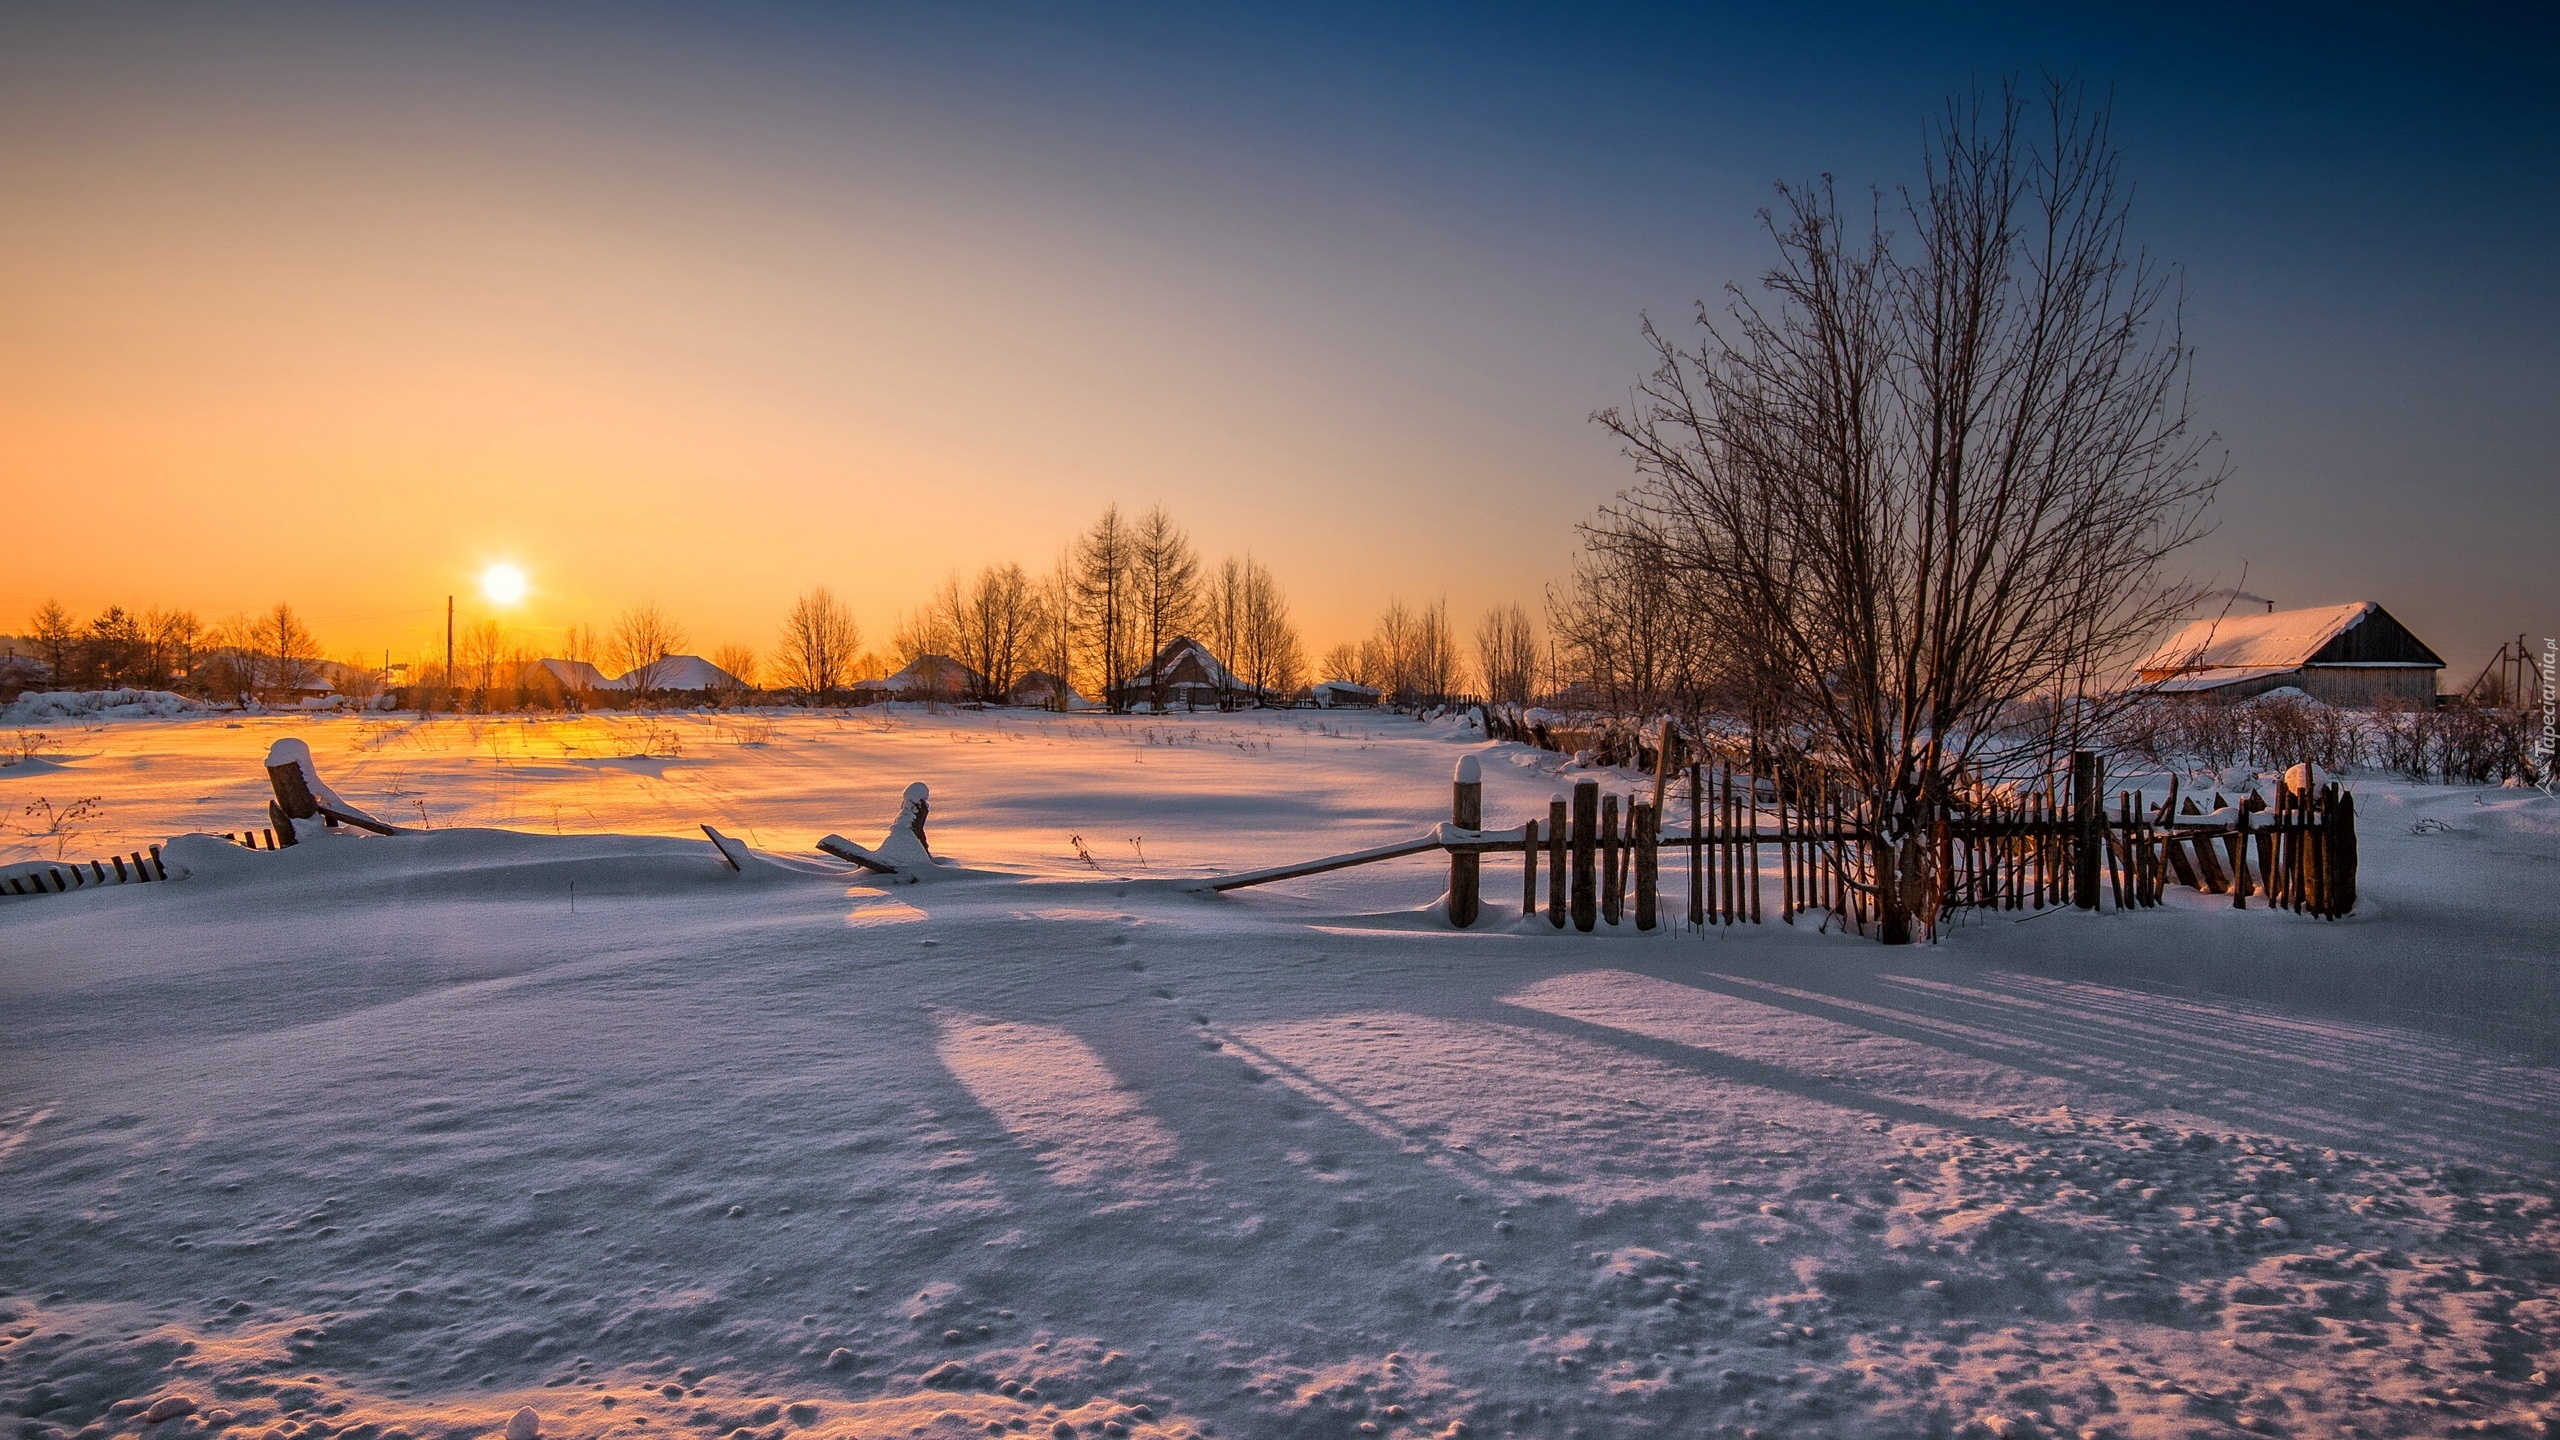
(55, 878)
(1755, 845)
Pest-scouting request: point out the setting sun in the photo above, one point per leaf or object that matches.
(503, 584)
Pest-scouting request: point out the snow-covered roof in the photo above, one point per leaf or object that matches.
(2195, 682)
(937, 673)
(1347, 687)
(1213, 671)
(1045, 682)
(2284, 640)
(689, 672)
(571, 675)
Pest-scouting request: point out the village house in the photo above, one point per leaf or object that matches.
(1343, 695)
(928, 677)
(2352, 655)
(1185, 676)
(1041, 690)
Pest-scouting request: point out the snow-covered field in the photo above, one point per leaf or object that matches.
(547, 1109)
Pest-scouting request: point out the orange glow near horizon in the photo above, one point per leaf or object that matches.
(341, 351)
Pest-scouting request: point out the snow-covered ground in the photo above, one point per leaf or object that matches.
(547, 1109)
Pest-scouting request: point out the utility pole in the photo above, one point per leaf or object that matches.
(448, 642)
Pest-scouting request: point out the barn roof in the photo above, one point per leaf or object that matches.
(689, 672)
(2360, 632)
(1170, 658)
(572, 675)
(939, 673)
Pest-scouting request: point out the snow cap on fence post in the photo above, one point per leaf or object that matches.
(1466, 812)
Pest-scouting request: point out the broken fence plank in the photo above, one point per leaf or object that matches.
(846, 850)
(730, 850)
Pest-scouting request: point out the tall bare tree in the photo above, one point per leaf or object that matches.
(1268, 642)
(1056, 647)
(1507, 655)
(484, 648)
(582, 648)
(1938, 468)
(819, 640)
(991, 624)
(643, 644)
(1105, 602)
(1165, 576)
(1222, 622)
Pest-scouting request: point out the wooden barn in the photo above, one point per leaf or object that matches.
(2353, 654)
(1042, 690)
(1186, 677)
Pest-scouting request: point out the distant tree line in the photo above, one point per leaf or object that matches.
(1093, 622)
(271, 656)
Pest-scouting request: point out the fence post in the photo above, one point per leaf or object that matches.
(1697, 848)
(2240, 861)
(1586, 836)
(1466, 812)
(1557, 838)
(2089, 832)
(1647, 824)
(1528, 869)
(1613, 863)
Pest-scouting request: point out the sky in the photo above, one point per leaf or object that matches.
(704, 305)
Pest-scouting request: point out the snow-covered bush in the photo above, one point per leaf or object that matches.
(83, 704)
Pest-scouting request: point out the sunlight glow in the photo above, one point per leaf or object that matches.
(504, 584)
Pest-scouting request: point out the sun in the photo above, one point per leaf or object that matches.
(504, 584)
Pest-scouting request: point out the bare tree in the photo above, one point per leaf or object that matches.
(1055, 640)
(1348, 660)
(1105, 559)
(1222, 622)
(484, 649)
(1165, 572)
(740, 663)
(1009, 624)
(1435, 655)
(1939, 468)
(1268, 641)
(1507, 655)
(819, 640)
(1387, 655)
(644, 641)
(581, 647)
(1413, 657)
(283, 655)
(925, 631)
(1623, 637)
(175, 635)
